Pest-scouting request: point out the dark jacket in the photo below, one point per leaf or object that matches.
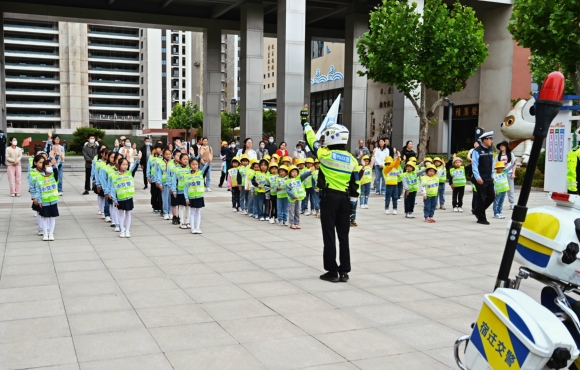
(3, 142)
(485, 167)
(406, 154)
(230, 154)
(143, 151)
(90, 152)
(271, 148)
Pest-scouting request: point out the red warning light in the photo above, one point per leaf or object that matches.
(561, 197)
(553, 87)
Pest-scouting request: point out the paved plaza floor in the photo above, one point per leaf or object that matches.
(244, 295)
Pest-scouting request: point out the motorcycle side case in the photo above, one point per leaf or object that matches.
(544, 238)
(513, 331)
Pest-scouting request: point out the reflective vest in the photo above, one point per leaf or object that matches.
(443, 175)
(262, 179)
(233, 172)
(297, 189)
(180, 177)
(458, 176)
(195, 184)
(282, 187)
(572, 163)
(110, 171)
(48, 188)
(367, 176)
(412, 181)
(273, 179)
(30, 163)
(249, 176)
(401, 171)
(164, 174)
(315, 178)
(124, 185)
(243, 171)
(307, 184)
(431, 185)
(500, 182)
(392, 177)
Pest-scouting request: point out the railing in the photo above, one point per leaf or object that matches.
(33, 78)
(115, 82)
(33, 115)
(114, 70)
(114, 34)
(34, 90)
(31, 40)
(113, 93)
(22, 64)
(32, 102)
(113, 106)
(107, 57)
(106, 117)
(113, 46)
(33, 27)
(31, 52)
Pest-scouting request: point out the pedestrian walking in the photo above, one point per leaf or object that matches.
(13, 158)
(482, 167)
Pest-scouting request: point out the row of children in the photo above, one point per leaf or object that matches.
(278, 193)
(177, 187)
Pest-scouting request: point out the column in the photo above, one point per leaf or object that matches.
(3, 125)
(290, 74)
(307, 68)
(212, 87)
(251, 71)
(355, 86)
(406, 123)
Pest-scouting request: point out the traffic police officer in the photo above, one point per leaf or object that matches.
(338, 183)
(482, 167)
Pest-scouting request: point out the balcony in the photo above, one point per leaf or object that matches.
(32, 92)
(107, 58)
(31, 66)
(29, 28)
(96, 94)
(99, 46)
(111, 82)
(33, 79)
(32, 104)
(31, 54)
(113, 35)
(108, 117)
(33, 117)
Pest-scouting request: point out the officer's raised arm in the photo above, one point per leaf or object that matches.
(308, 131)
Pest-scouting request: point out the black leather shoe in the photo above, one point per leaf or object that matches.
(483, 221)
(145, 188)
(343, 277)
(86, 192)
(330, 276)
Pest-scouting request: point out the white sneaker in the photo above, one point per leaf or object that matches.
(193, 231)
(208, 189)
(262, 219)
(459, 210)
(511, 206)
(387, 212)
(51, 237)
(496, 216)
(99, 212)
(117, 229)
(199, 231)
(235, 209)
(455, 209)
(267, 218)
(285, 223)
(102, 216)
(45, 237)
(127, 234)
(411, 215)
(40, 232)
(60, 193)
(122, 235)
(244, 212)
(501, 215)
(394, 211)
(107, 219)
(307, 213)
(366, 206)
(182, 226)
(272, 221)
(407, 215)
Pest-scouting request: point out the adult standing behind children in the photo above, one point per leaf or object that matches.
(247, 149)
(144, 154)
(13, 157)
(206, 157)
(482, 167)
(90, 151)
(380, 153)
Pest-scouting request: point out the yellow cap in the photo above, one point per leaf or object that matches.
(428, 159)
(364, 157)
(283, 167)
(236, 159)
(286, 159)
(412, 164)
(293, 168)
(437, 159)
(267, 157)
(430, 167)
(413, 159)
(299, 161)
(309, 160)
(224, 143)
(316, 160)
(389, 159)
(273, 164)
(245, 156)
(499, 164)
(275, 155)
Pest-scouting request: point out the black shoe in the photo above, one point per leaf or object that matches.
(343, 277)
(483, 221)
(145, 188)
(86, 192)
(330, 276)
(112, 225)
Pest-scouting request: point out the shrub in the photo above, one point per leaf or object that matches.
(80, 137)
(542, 162)
(538, 181)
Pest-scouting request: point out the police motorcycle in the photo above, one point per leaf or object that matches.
(513, 331)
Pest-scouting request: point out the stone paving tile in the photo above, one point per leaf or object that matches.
(243, 295)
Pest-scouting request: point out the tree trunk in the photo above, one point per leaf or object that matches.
(575, 77)
(423, 137)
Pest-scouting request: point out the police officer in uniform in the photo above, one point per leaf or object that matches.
(482, 167)
(338, 180)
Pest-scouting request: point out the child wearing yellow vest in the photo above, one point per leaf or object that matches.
(162, 182)
(438, 162)
(45, 196)
(365, 182)
(244, 195)
(296, 193)
(457, 180)
(308, 186)
(261, 183)
(272, 193)
(282, 196)
(123, 191)
(391, 172)
(178, 189)
(36, 168)
(173, 166)
(502, 186)
(107, 172)
(430, 190)
(234, 181)
(252, 206)
(194, 190)
(410, 187)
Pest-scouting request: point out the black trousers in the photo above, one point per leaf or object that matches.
(3, 156)
(486, 195)
(335, 217)
(145, 177)
(458, 192)
(235, 197)
(224, 175)
(273, 206)
(410, 202)
(88, 179)
(156, 201)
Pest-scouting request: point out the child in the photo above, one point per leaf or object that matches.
(152, 165)
(261, 184)
(234, 181)
(162, 181)
(178, 189)
(457, 181)
(430, 189)
(123, 190)
(45, 197)
(275, 158)
(442, 179)
(308, 186)
(365, 182)
(286, 161)
(410, 187)
(101, 199)
(193, 192)
(501, 185)
(173, 166)
(391, 174)
(243, 193)
(252, 206)
(107, 171)
(282, 196)
(316, 193)
(35, 170)
(272, 179)
(296, 193)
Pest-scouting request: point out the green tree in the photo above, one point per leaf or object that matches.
(185, 117)
(550, 29)
(541, 67)
(438, 50)
(81, 135)
(229, 122)
(269, 123)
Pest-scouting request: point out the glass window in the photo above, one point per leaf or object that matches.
(163, 50)
(163, 62)
(272, 84)
(163, 74)
(163, 38)
(272, 74)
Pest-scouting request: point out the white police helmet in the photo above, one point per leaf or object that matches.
(335, 134)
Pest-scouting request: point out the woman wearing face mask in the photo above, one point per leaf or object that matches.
(13, 157)
(271, 146)
(262, 151)
(299, 153)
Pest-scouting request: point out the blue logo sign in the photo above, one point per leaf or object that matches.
(340, 157)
